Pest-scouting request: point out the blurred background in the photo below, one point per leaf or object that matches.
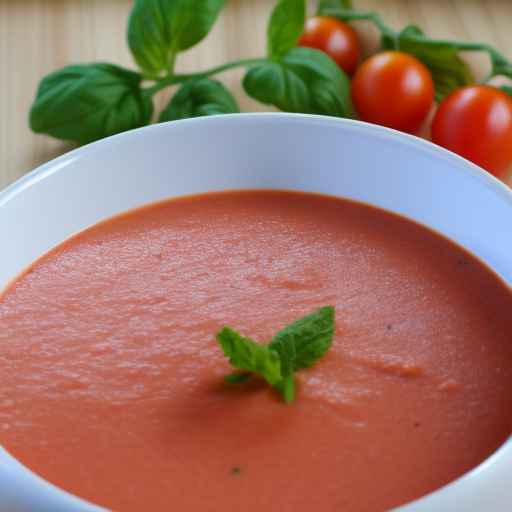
(38, 36)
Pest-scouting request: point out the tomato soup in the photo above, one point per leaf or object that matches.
(112, 380)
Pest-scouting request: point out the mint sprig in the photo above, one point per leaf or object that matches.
(299, 345)
(246, 354)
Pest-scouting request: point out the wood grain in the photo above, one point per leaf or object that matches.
(38, 36)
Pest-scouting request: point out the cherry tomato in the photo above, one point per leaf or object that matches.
(335, 38)
(393, 89)
(476, 123)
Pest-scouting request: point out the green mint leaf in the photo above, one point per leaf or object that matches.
(245, 354)
(285, 27)
(448, 70)
(334, 4)
(204, 97)
(299, 345)
(303, 80)
(302, 343)
(84, 103)
(158, 29)
(507, 89)
(236, 378)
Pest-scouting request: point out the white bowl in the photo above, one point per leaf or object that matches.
(351, 159)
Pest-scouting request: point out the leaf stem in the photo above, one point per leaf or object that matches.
(172, 62)
(177, 79)
(287, 388)
(387, 33)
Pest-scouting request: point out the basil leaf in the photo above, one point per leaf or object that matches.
(158, 29)
(250, 356)
(302, 343)
(285, 27)
(204, 97)
(334, 4)
(448, 70)
(303, 80)
(84, 103)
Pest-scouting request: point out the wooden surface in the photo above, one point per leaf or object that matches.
(38, 36)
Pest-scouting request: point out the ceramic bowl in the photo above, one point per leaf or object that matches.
(346, 158)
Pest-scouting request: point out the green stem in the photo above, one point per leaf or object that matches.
(348, 15)
(172, 62)
(177, 79)
(162, 83)
(225, 67)
(471, 46)
(287, 388)
(500, 65)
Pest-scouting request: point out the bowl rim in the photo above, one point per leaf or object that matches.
(459, 165)
(462, 164)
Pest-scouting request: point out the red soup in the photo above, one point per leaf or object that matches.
(112, 378)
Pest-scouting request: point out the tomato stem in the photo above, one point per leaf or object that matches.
(389, 36)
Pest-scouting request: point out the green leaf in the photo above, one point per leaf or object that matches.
(246, 354)
(299, 345)
(285, 27)
(204, 97)
(302, 343)
(334, 4)
(237, 378)
(158, 29)
(448, 70)
(303, 80)
(84, 103)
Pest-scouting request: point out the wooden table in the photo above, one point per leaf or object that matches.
(37, 36)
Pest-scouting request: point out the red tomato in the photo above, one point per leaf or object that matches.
(476, 123)
(393, 89)
(335, 38)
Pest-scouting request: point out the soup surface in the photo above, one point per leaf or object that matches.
(112, 378)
